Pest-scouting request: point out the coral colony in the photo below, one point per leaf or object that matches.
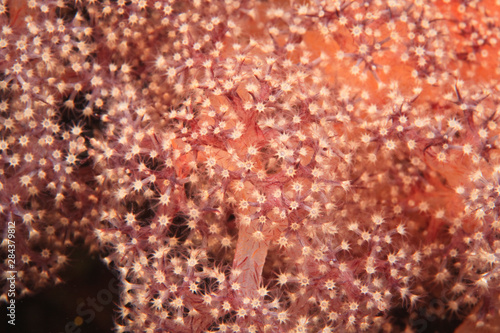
(256, 166)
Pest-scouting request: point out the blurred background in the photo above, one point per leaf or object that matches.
(51, 310)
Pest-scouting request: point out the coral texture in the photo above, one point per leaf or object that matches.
(257, 166)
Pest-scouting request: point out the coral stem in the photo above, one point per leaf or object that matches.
(249, 259)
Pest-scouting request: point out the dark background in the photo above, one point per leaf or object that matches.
(53, 308)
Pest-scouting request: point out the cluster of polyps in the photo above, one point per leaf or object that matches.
(255, 167)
